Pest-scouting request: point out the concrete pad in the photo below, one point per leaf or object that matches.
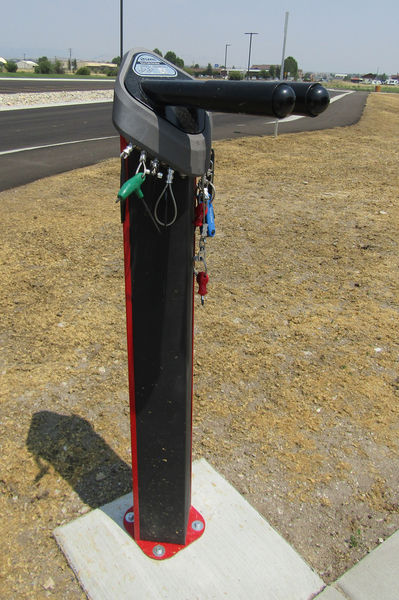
(330, 593)
(376, 576)
(239, 556)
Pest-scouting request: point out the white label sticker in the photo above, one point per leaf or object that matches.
(148, 65)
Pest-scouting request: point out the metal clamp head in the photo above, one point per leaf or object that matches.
(176, 135)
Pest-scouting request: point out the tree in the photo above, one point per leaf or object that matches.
(176, 60)
(208, 71)
(58, 68)
(264, 74)
(157, 51)
(11, 66)
(72, 64)
(44, 65)
(116, 60)
(272, 71)
(291, 67)
(171, 56)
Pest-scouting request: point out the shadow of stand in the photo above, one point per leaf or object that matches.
(79, 455)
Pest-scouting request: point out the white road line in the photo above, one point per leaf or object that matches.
(109, 137)
(285, 120)
(335, 98)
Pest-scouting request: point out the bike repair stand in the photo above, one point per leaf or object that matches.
(167, 192)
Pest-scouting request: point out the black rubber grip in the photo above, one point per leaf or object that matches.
(275, 99)
(311, 98)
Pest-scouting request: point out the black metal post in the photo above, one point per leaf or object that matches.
(159, 296)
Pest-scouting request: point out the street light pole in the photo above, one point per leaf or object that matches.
(225, 56)
(284, 42)
(250, 33)
(121, 29)
(282, 63)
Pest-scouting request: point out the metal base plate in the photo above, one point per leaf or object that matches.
(161, 550)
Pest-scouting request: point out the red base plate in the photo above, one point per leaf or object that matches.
(161, 550)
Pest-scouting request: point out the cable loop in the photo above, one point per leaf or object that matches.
(142, 160)
(167, 187)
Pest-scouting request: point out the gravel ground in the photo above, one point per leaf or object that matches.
(296, 386)
(40, 98)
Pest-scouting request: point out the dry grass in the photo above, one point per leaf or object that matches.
(296, 381)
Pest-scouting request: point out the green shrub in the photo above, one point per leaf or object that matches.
(236, 75)
(83, 71)
(11, 66)
(44, 65)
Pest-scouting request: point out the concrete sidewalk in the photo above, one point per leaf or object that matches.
(375, 577)
(240, 556)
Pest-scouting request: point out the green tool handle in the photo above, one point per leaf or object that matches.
(132, 185)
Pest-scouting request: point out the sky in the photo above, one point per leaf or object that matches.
(352, 36)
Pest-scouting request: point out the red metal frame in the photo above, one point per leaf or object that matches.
(130, 351)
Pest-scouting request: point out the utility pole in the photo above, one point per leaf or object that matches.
(282, 63)
(70, 59)
(225, 56)
(250, 33)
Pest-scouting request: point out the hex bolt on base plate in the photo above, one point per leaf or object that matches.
(197, 525)
(129, 517)
(160, 550)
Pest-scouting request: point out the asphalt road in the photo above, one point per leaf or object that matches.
(36, 143)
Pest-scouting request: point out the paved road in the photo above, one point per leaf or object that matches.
(35, 143)
(345, 109)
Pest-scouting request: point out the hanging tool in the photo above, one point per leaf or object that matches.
(202, 280)
(132, 185)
